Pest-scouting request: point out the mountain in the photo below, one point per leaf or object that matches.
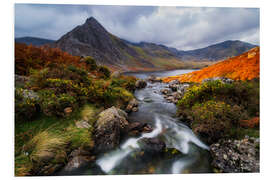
(215, 52)
(34, 41)
(92, 39)
(243, 67)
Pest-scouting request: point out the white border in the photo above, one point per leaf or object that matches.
(7, 74)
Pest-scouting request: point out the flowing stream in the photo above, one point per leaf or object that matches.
(156, 111)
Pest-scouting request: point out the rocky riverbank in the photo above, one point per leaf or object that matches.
(230, 154)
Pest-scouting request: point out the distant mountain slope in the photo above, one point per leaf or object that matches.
(34, 41)
(215, 52)
(243, 67)
(92, 39)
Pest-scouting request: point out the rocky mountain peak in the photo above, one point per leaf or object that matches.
(92, 22)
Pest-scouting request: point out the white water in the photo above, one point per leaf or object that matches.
(109, 161)
(176, 136)
(158, 112)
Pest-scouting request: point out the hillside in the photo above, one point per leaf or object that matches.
(34, 41)
(92, 39)
(216, 52)
(243, 67)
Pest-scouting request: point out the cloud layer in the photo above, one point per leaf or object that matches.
(180, 27)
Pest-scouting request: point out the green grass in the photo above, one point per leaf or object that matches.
(35, 139)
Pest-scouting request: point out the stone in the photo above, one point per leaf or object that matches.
(132, 105)
(140, 84)
(29, 94)
(233, 156)
(116, 74)
(137, 128)
(82, 124)
(152, 145)
(164, 91)
(153, 79)
(78, 162)
(110, 123)
(135, 109)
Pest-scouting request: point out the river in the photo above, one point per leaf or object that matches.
(156, 111)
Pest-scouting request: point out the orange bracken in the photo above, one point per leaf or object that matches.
(243, 67)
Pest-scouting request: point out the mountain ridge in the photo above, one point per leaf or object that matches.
(92, 39)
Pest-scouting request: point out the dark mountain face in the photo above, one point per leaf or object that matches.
(92, 39)
(34, 41)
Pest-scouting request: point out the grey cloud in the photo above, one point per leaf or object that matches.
(180, 27)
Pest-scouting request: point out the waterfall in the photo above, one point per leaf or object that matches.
(177, 136)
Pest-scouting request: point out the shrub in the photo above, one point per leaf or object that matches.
(242, 93)
(214, 119)
(52, 104)
(126, 82)
(91, 63)
(30, 57)
(213, 108)
(105, 72)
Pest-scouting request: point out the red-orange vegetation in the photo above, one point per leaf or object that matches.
(30, 57)
(251, 123)
(243, 67)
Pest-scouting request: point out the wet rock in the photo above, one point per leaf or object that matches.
(173, 85)
(147, 99)
(154, 79)
(137, 128)
(177, 91)
(152, 145)
(110, 123)
(165, 91)
(223, 79)
(132, 106)
(236, 155)
(140, 84)
(135, 109)
(170, 98)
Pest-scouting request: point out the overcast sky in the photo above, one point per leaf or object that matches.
(181, 27)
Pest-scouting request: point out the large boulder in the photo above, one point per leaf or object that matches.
(111, 122)
(233, 156)
(140, 84)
